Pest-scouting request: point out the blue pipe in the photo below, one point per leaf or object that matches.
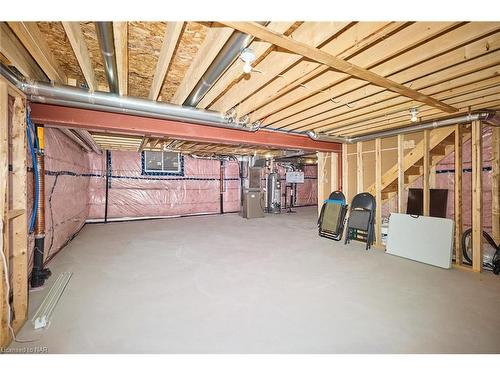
(29, 130)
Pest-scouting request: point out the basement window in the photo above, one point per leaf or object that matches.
(162, 163)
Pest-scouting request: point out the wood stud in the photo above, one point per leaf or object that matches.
(477, 197)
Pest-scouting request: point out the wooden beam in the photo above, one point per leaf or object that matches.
(144, 142)
(79, 46)
(172, 34)
(477, 196)
(68, 133)
(458, 194)
(19, 224)
(31, 37)
(276, 64)
(4, 209)
(18, 56)
(316, 54)
(213, 43)
(426, 171)
(123, 123)
(359, 167)
(401, 173)
(378, 191)
(120, 34)
(495, 183)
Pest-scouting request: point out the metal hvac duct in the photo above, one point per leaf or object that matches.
(70, 96)
(227, 55)
(105, 36)
(457, 120)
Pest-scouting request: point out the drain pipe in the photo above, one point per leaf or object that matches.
(40, 274)
(228, 54)
(105, 36)
(457, 120)
(70, 96)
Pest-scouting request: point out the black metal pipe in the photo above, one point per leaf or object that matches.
(222, 186)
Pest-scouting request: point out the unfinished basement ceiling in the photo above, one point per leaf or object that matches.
(127, 142)
(456, 63)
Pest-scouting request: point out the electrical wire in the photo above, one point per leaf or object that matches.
(29, 130)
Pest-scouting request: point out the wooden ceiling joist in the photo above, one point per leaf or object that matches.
(31, 37)
(120, 34)
(276, 62)
(331, 85)
(214, 41)
(308, 77)
(172, 34)
(317, 108)
(18, 56)
(75, 37)
(235, 71)
(305, 50)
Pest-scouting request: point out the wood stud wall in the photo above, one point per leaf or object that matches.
(13, 204)
(477, 196)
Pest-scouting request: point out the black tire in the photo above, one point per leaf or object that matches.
(496, 258)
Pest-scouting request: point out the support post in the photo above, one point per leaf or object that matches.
(334, 171)
(359, 159)
(401, 173)
(458, 194)
(4, 208)
(427, 162)
(378, 191)
(19, 223)
(495, 183)
(345, 170)
(477, 197)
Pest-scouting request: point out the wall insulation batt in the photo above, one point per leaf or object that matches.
(75, 188)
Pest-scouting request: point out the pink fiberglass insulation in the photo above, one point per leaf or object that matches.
(66, 190)
(131, 193)
(306, 193)
(445, 179)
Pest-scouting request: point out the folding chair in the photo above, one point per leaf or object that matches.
(332, 216)
(361, 222)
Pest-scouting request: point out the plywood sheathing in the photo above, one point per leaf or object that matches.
(61, 48)
(192, 38)
(4, 60)
(90, 36)
(144, 44)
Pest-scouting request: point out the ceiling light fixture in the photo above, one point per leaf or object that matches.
(248, 58)
(413, 114)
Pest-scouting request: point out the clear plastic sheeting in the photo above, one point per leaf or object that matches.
(131, 193)
(66, 191)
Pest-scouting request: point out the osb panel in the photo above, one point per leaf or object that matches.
(144, 45)
(192, 37)
(89, 34)
(4, 60)
(60, 46)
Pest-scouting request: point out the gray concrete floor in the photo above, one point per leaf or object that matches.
(222, 284)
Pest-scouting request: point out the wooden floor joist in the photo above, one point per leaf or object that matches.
(315, 54)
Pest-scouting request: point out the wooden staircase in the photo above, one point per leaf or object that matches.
(441, 144)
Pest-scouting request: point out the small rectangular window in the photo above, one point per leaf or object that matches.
(162, 163)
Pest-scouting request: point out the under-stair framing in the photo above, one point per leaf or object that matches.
(418, 163)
